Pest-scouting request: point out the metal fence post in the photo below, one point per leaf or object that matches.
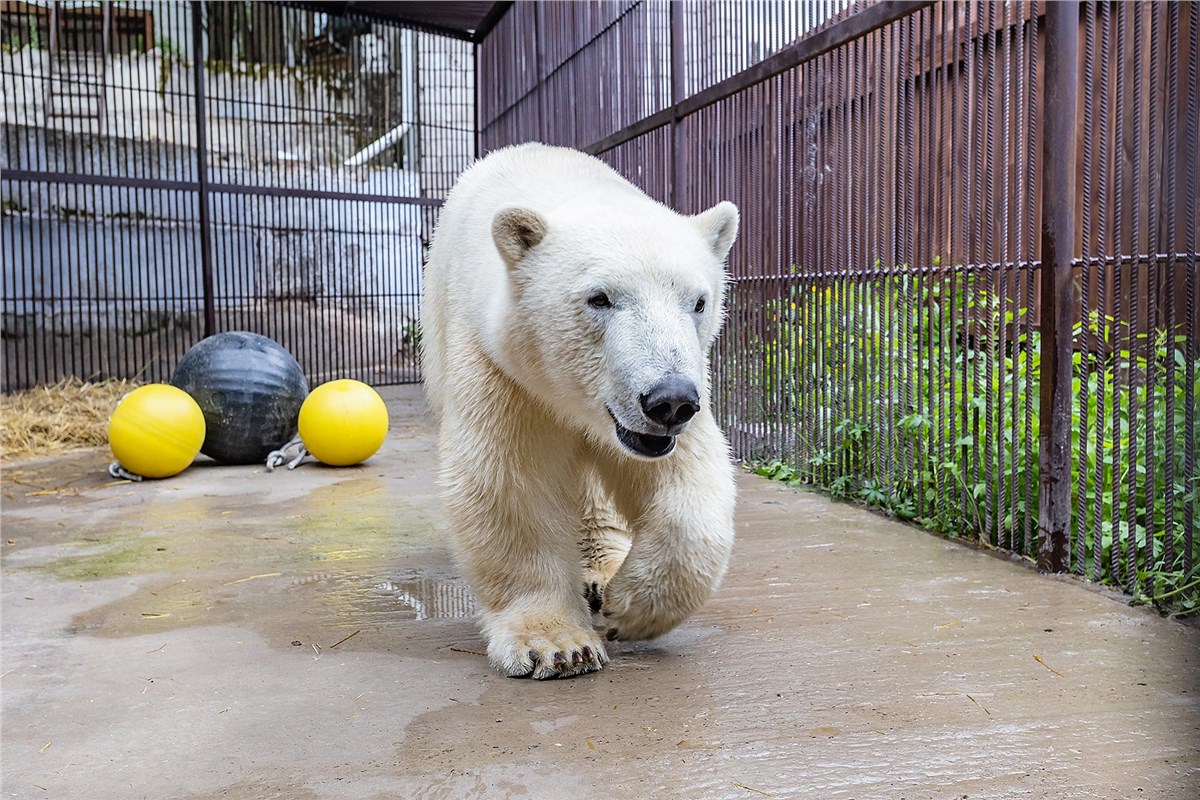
(206, 266)
(1058, 294)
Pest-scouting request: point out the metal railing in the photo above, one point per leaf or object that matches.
(965, 286)
(171, 170)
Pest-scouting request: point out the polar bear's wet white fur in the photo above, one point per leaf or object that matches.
(567, 320)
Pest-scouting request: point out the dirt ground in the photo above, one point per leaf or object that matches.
(233, 633)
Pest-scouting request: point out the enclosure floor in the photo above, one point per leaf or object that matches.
(238, 634)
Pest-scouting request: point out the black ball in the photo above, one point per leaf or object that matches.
(250, 390)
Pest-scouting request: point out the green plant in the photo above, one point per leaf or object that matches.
(411, 334)
(919, 393)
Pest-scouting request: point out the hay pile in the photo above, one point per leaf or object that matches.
(49, 420)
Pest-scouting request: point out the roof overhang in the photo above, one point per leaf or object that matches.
(461, 19)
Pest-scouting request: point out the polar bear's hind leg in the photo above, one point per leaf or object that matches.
(604, 541)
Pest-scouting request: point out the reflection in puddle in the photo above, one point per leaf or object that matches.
(431, 598)
(411, 597)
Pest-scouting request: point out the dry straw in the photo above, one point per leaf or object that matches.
(49, 420)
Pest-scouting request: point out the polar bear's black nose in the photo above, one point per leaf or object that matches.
(673, 401)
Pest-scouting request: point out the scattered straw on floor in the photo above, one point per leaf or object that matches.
(49, 420)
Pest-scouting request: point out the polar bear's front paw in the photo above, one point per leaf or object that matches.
(545, 651)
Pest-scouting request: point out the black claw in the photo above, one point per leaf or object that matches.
(587, 653)
(560, 659)
(533, 656)
(576, 657)
(611, 635)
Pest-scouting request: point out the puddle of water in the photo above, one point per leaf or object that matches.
(213, 560)
(349, 521)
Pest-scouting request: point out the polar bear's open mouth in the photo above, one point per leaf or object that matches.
(643, 444)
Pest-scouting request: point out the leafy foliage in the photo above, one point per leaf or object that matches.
(919, 394)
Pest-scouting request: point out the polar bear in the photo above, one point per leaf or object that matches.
(567, 319)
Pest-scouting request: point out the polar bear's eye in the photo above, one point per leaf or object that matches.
(700, 306)
(599, 300)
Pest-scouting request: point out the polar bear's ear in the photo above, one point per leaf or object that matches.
(719, 225)
(515, 231)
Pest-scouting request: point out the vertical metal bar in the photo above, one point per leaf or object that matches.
(1004, 155)
(206, 265)
(1102, 248)
(811, 266)
(960, 193)
(1191, 155)
(921, 261)
(909, 226)
(977, 317)
(1128, 566)
(537, 11)
(1131, 119)
(859, 257)
(992, 443)
(938, 340)
(1172, 246)
(54, 23)
(477, 132)
(891, 91)
(1149, 178)
(1058, 302)
(1079, 527)
(825, 248)
(1027, 256)
(106, 21)
(677, 144)
(875, 263)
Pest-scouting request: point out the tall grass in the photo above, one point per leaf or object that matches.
(920, 395)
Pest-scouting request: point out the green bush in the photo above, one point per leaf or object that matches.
(919, 394)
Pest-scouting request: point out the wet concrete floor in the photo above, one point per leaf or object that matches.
(232, 633)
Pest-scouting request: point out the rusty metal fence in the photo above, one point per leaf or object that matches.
(172, 170)
(965, 290)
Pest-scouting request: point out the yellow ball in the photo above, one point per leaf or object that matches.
(343, 422)
(156, 430)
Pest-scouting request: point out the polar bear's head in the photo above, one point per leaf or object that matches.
(609, 321)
